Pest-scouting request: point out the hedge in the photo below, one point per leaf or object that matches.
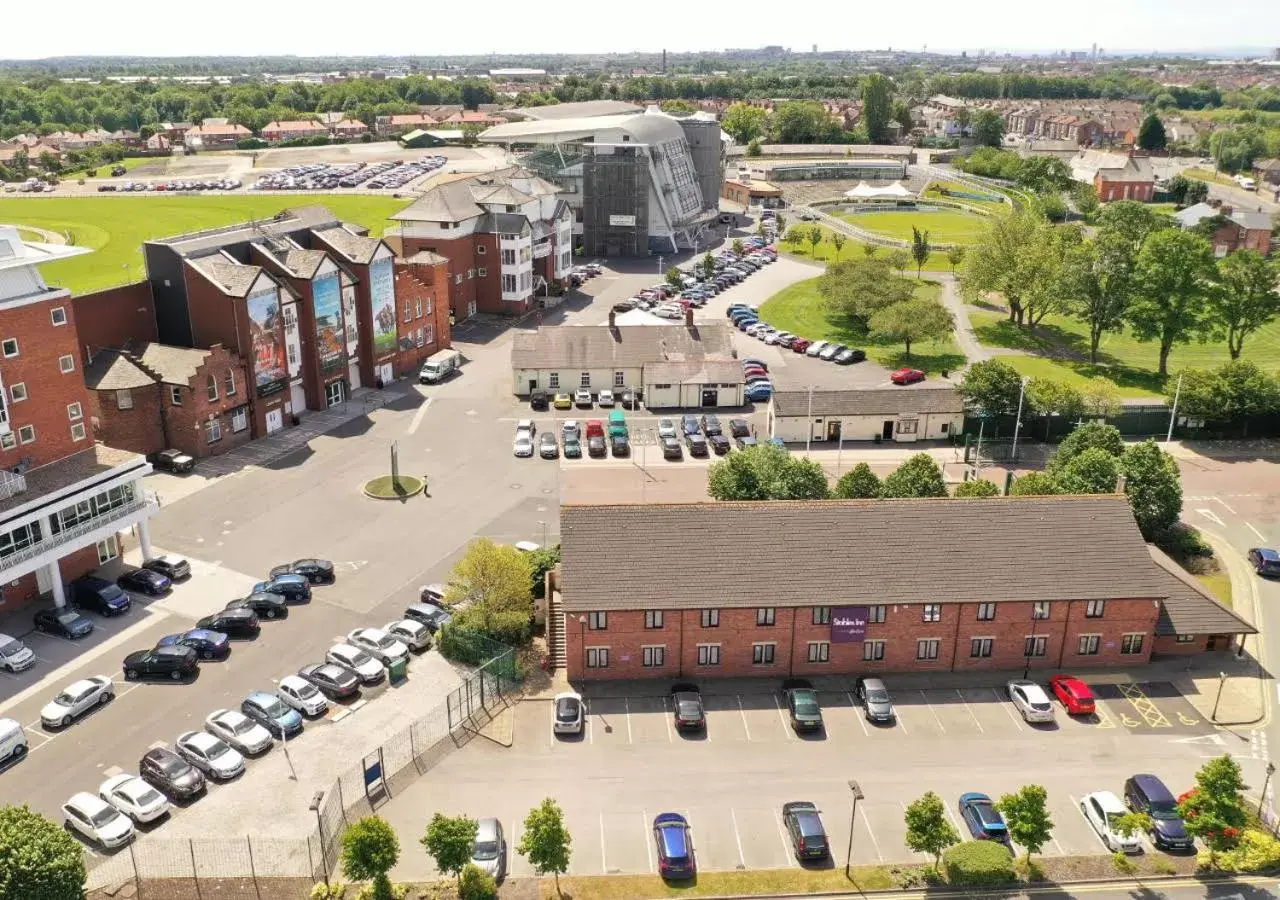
(978, 864)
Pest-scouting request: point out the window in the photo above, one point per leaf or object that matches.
(708, 654)
(480, 250)
(417, 307)
(211, 387)
(653, 618)
(77, 432)
(875, 614)
(654, 657)
(932, 612)
(764, 615)
(1131, 644)
(20, 538)
(819, 651)
(710, 618)
(927, 648)
(584, 380)
(27, 434)
(74, 412)
(1040, 610)
(7, 442)
(1185, 639)
(1035, 645)
(482, 271)
(175, 395)
(239, 419)
(213, 431)
(872, 651)
(986, 612)
(508, 284)
(66, 364)
(231, 383)
(762, 654)
(619, 379)
(508, 257)
(18, 391)
(598, 621)
(553, 380)
(1088, 644)
(471, 273)
(980, 648)
(108, 550)
(9, 347)
(420, 339)
(408, 312)
(1094, 609)
(458, 280)
(292, 349)
(822, 615)
(58, 315)
(597, 657)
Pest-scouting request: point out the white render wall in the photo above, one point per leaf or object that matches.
(906, 427)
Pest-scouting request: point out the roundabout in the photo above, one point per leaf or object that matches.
(398, 487)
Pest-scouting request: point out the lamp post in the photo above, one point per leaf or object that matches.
(324, 851)
(1222, 680)
(543, 523)
(582, 642)
(1017, 420)
(853, 816)
(1173, 413)
(1271, 770)
(1031, 644)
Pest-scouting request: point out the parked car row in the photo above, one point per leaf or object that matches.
(581, 274)
(583, 398)
(124, 187)
(600, 438)
(747, 320)
(328, 176)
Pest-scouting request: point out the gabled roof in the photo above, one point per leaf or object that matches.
(355, 248)
(112, 370)
(295, 261)
(174, 365)
(1188, 608)
(871, 402)
(623, 346)
(233, 279)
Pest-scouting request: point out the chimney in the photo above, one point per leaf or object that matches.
(1226, 210)
(688, 317)
(1120, 483)
(612, 317)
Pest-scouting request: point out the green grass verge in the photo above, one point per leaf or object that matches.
(115, 227)
(945, 226)
(994, 206)
(756, 882)
(385, 487)
(826, 252)
(1209, 175)
(1219, 584)
(801, 310)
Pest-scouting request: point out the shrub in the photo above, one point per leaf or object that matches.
(475, 884)
(1257, 851)
(1122, 863)
(1181, 541)
(1163, 867)
(335, 891)
(978, 864)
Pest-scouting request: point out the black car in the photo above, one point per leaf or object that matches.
(686, 702)
(144, 581)
(538, 399)
(209, 644)
(241, 623)
(99, 595)
(710, 425)
(671, 449)
(316, 571)
(170, 774)
(719, 443)
(161, 662)
(849, 355)
(739, 427)
(596, 448)
(267, 606)
(690, 425)
(629, 400)
(332, 680)
(1148, 794)
(803, 708)
(432, 616)
(65, 622)
(697, 444)
(175, 568)
(293, 588)
(619, 445)
(804, 827)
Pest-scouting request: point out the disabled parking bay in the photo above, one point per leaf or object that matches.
(1150, 707)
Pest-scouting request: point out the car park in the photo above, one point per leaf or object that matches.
(1102, 809)
(134, 797)
(365, 666)
(15, 656)
(315, 571)
(687, 707)
(175, 663)
(211, 755)
(804, 830)
(413, 635)
(208, 644)
(99, 595)
(548, 446)
(803, 709)
(238, 731)
(273, 714)
(562, 401)
(303, 696)
(1148, 794)
(874, 698)
(538, 399)
(619, 445)
(175, 568)
(266, 606)
(1073, 694)
(1265, 561)
(906, 376)
(568, 713)
(63, 621)
(293, 588)
(582, 399)
(334, 681)
(145, 581)
(97, 821)
(674, 844)
(76, 699)
(234, 623)
(982, 818)
(170, 774)
(378, 644)
(1030, 700)
(489, 851)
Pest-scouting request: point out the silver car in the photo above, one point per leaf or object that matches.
(416, 635)
(76, 699)
(667, 429)
(489, 853)
(210, 755)
(302, 695)
(15, 655)
(378, 644)
(875, 700)
(366, 668)
(239, 731)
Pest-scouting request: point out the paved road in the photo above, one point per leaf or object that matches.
(1234, 889)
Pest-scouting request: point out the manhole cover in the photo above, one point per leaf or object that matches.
(516, 487)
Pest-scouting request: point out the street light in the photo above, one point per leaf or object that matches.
(1031, 643)
(853, 815)
(1271, 770)
(582, 643)
(324, 854)
(1017, 420)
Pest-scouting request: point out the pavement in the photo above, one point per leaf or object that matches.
(1243, 888)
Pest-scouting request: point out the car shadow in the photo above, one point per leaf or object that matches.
(817, 865)
(694, 737)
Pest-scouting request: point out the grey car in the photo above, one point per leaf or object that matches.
(874, 697)
(490, 850)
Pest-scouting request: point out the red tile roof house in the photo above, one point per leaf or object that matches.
(390, 126)
(215, 137)
(278, 132)
(348, 128)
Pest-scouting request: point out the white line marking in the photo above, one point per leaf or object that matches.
(925, 698)
(591, 726)
(1080, 809)
(874, 842)
(744, 718)
(1261, 536)
(666, 718)
(417, 417)
(1211, 516)
(786, 843)
(786, 728)
(648, 838)
(969, 709)
(627, 702)
(856, 713)
(604, 865)
(1008, 711)
(959, 826)
(1224, 504)
(737, 836)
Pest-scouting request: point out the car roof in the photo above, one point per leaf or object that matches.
(87, 803)
(261, 697)
(1109, 802)
(1152, 786)
(83, 684)
(1268, 553)
(487, 829)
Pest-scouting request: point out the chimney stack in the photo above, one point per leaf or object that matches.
(688, 317)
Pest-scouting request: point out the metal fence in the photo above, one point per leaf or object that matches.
(265, 868)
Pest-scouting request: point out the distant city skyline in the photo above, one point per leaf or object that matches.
(330, 28)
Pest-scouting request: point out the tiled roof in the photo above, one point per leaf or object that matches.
(628, 346)
(234, 279)
(356, 248)
(959, 551)
(296, 261)
(1188, 608)
(703, 371)
(174, 365)
(427, 258)
(873, 402)
(112, 370)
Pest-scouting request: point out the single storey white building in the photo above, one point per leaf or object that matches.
(697, 383)
(902, 414)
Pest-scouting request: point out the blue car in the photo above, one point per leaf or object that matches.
(270, 712)
(207, 644)
(982, 818)
(745, 323)
(760, 390)
(777, 442)
(675, 846)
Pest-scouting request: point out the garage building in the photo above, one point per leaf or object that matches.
(901, 414)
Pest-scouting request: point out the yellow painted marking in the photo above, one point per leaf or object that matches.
(1144, 706)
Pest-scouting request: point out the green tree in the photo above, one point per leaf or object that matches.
(837, 241)
(1132, 823)
(1154, 486)
(928, 829)
(1131, 220)
(1197, 192)
(919, 476)
(1093, 471)
(792, 236)
(754, 148)
(1247, 300)
(978, 487)
(542, 561)
(991, 387)
(780, 221)
(803, 479)
(898, 260)
(869, 250)
(859, 483)
(738, 247)
(39, 859)
(803, 122)
(1096, 284)
(860, 287)
(994, 261)
(1177, 188)
(1027, 817)
(955, 256)
(1044, 174)
(815, 238)
(1034, 484)
(964, 119)
(1151, 134)
(877, 108)
(1054, 398)
(766, 472)
(988, 127)
(494, 578)
(1234, 391)
(370, 849)
(1214, 809)
(1086, 199)
(915, 320)
(474, 883)
(708, 266)
(1089, 436)
(1042, 269)
(675, 277)
(919, 248)
(546, 842)
(902, 115)
(1172, 289)
(1101, 399)
(449, 841)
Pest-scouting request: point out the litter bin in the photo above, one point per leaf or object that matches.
(398, 669)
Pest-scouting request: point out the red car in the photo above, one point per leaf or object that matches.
(1074, 694)
(799, 345)
(907, 376)
(754, 371)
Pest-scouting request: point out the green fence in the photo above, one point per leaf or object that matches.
(475, 649)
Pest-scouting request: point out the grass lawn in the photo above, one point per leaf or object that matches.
(115, 227)
(946, 226)
(994, 206)
(801, 310)
(1209, 175)
(1219, 584)
(724, 884)
(826, 252)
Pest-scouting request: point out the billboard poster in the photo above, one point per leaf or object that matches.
(329, 334)
(270, 369)
(382, 293)
(848, 624)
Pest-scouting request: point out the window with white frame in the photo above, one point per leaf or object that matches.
(239, 419)
(231, 382)
(457, 279)
(1094, 609)
(1088, 644)
(598, 621)
(981, 647)
(765, 616)
(1185, 639)
(9, 347)
(762, 654)
(986, 612)
(421, 340)
(480, 250)
(822, 615)
(553, 381)
(58, 315)
(708, 654)
(873, 651)
(1131, 644)
(175, 395)
(927, 648)
(654, 657)
(653, 618)
(213, 431)
(508, 257)
(408, 312)
(597, 657)
(124, 399)
(417, 307)
(8, 441)
(1035, 645)
(619, 379)
(211, 388)
(584, 380)
(1040, 609)
(27, 434)
(74, 412)
(932, 612)
(18, 391)
(66, 364)
(482, 271)
(710, 618)
(508, 284)
(875, 614)
(819, 651)
(77, 431)
(108, 550)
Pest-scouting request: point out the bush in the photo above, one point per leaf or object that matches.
(1257, 851)
(475, 884)
(1181, 541)
(1122, 863)
(335, 891)
(978, 864)
(251, 144)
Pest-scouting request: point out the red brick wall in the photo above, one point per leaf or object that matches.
(26, 591)
(115, 316)
(417, 288)
(1114, 190)
(186, 423)
(140, 429)
(1169, 646)
(462, 256)
(214, 316)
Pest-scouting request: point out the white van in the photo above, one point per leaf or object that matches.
(440, 366)
(13, 741)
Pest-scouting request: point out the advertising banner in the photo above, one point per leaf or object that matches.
(848, 624)
(382, 294)
(270, 370)
(329, 333)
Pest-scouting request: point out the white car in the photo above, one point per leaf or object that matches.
(570, 428)
(414, 634)
(568, 713)
(668, 312)
(369, 670)
(1102, 809)
(302, 695)
(522, 447)
(209, 754)
(1030, 700)
(605, 398)
(238, 730)
(528, 546)
(775, 336)
(816, 347)
(667, 429)
(134, 797)
(76, 699)
(97, 820)
(378, 644)
(582, 398)
(15, 655)
(527, 428)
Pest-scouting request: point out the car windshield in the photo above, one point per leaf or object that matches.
(485, 850)
(104, 816)
(11, 648)
(272, 707)
(146, 796)
(806, 706)
(64, 699)
(243, 726)
(214, 749)
(68, 618)
(1163, 809)
(878, 696)
(305, 691)
(360, 658)
(567, 710)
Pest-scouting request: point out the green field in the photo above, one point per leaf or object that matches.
(1209, 175)
(826, 252)
(801, 310)
(994, 206)
(945, 226)
(115, 227)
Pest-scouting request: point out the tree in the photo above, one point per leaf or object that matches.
(744, 122)
(1096, 283)
(877, 108)
(766, 472)
(1054, 398)
(39, 859)
(1086, 199)
(928, 829)
(859, 483)
(780, 221)
(919, 248)
(1044, 175)
(919, 476)
(803, 122)
(1132, 823)
(991, 387)
(755, 148)
(869, 250)
(546, 842)
(1151, 134)
(988, 127)
(708, 266)
(1237, 390)
(860, 287)
(978, 487)
(1172, 288)
(919, 319)
(837, 241)
(993, 261)
(1041, 269)
(803, 479)
(1197, 192)
(474, 883)
(1093, 471)
(1132, 220)
(1177, 188)
(1027, 817)
(675, 277)
(815, 238)
(898, 260)
(370, 849)
(792, 236)
(494, 578)
(1213, 810)
(1101, 399)
(1089, 436)
(542, 561)
(1154, 487)
(963, 119)
(955, 256)
(902, 115)
(1247, 300)
(738, 247)
(1034, 484)
(449, 841)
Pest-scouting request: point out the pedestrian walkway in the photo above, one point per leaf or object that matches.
(965, 338)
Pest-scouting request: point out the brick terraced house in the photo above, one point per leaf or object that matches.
(871, 587)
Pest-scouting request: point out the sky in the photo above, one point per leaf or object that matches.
(338, 27)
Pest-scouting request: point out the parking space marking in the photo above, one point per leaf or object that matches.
(857, 715)
(1262, 537)
(1080, 809)
(1008, 711)
(961, 829)
(872, 834)
(604, 860)
(786, 844)
(1144, 706)
(925, 698)
(591, 728)
(667, 719)
(626, 701)
(969, 710)
(737, 837)
(743, 713)
(783, 719)
(648, 839)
